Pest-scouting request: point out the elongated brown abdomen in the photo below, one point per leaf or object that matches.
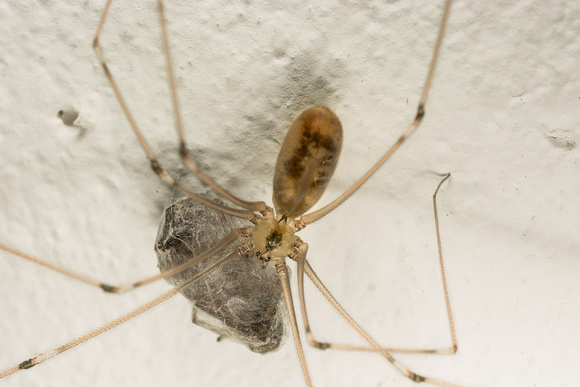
(307, 160)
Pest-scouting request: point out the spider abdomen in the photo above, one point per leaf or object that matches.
(306, 162)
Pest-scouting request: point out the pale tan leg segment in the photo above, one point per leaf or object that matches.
(183, 152)
(316, 215)
(233, 236)
(453, 348)
(305, 267)
(159, 171)
(45, 356)
(283, 273)
(438, 351)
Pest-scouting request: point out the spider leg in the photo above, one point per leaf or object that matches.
(161, 173)
(316, 215)
(438, 351)
(41, 358)
(282, 270)
(186, 158)
(304, 267)
(118, 289)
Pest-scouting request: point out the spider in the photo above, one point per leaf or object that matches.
(289, 214)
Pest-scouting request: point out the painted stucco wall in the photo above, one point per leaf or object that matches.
(503, 117)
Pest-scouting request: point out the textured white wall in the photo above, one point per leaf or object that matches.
(504, 100)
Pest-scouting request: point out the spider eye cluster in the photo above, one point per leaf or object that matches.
(274, 240)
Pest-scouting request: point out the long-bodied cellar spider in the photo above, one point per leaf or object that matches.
(85, 201)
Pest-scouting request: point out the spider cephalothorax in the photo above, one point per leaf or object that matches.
(273, 238)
